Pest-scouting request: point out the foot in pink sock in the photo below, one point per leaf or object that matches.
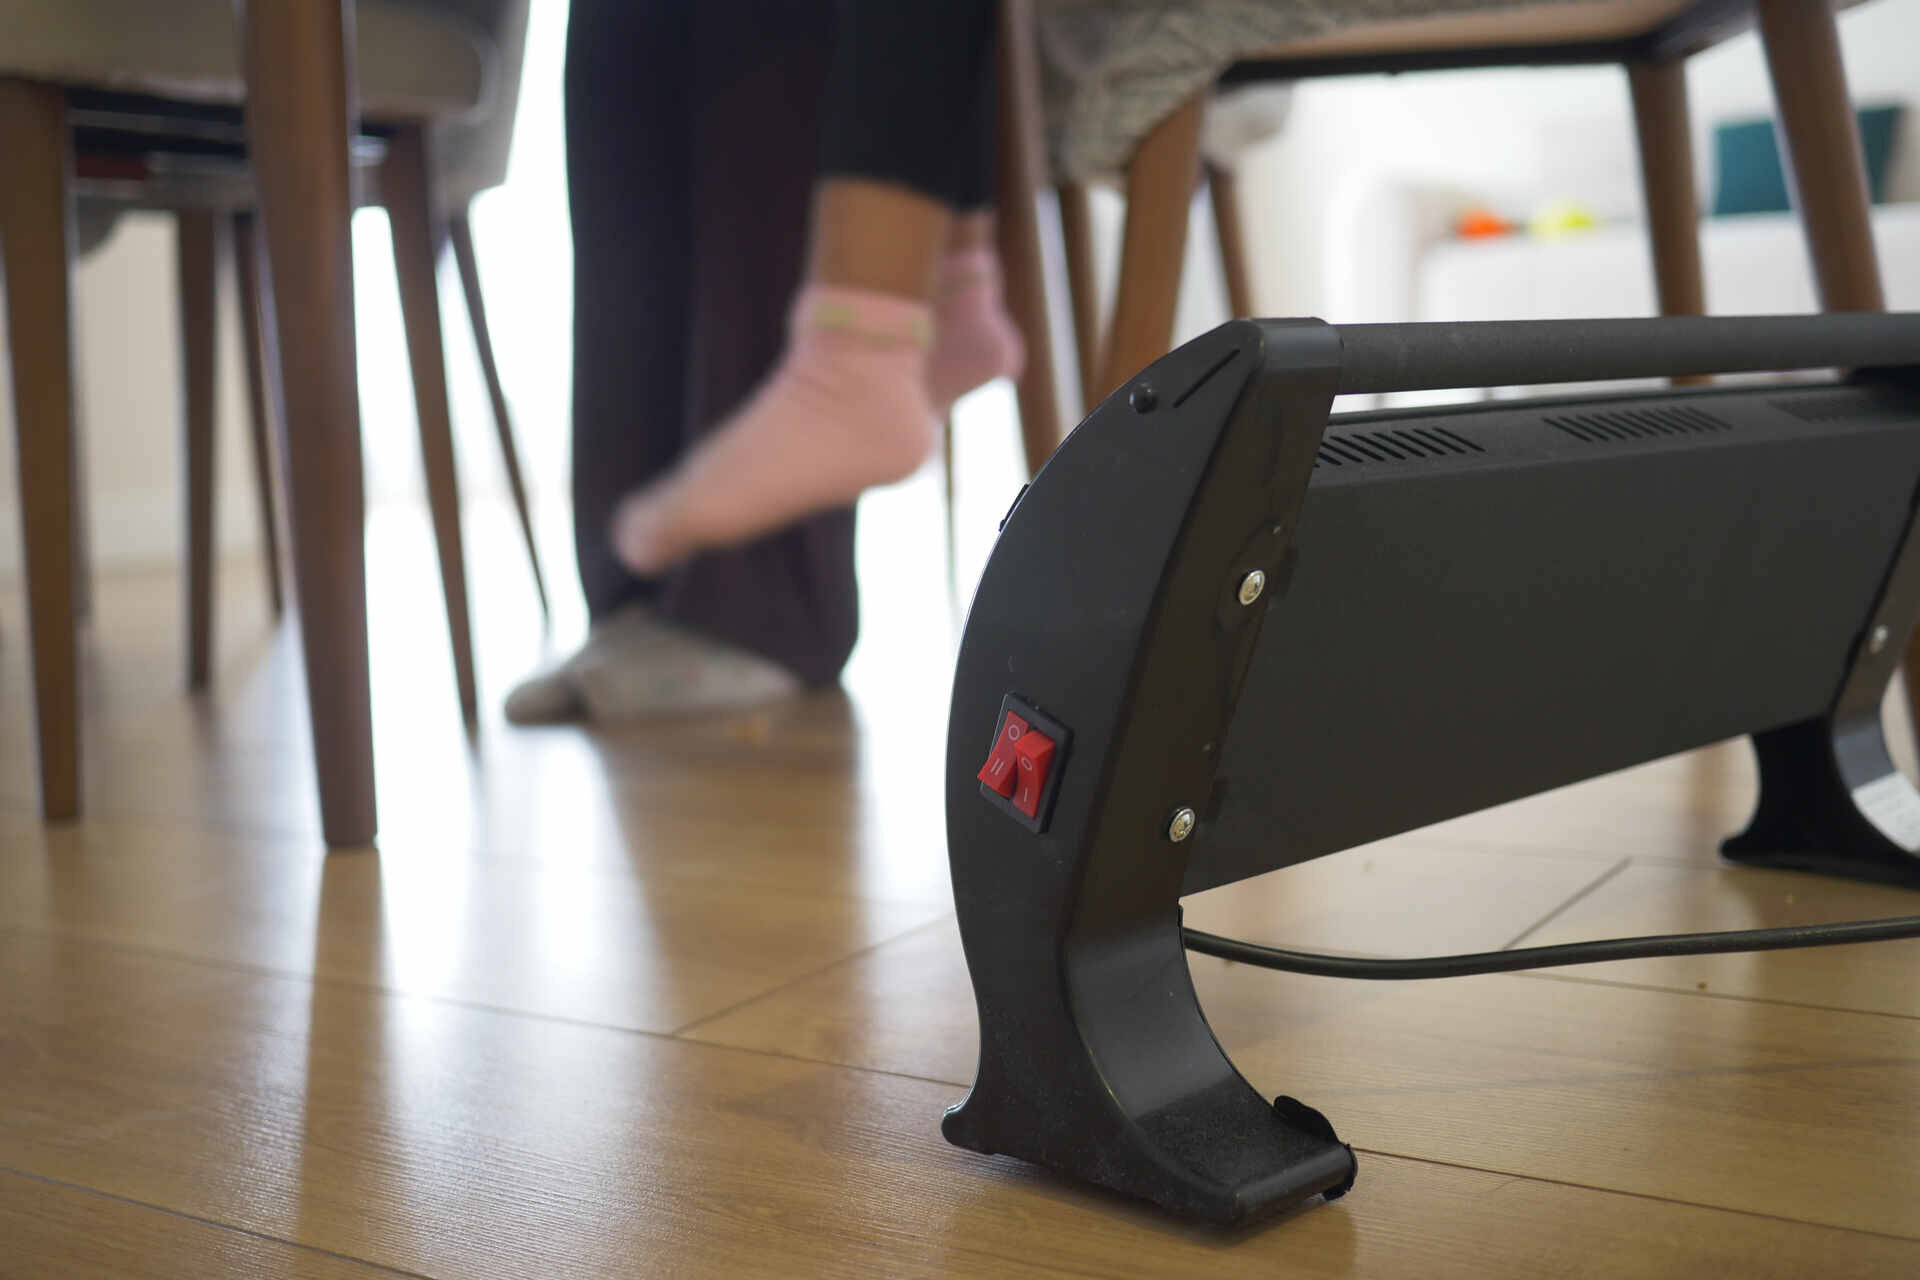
(847, 409)
(975, 340)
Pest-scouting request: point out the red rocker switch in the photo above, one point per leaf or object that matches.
(1033, 759)
(1023, 768)
(999, 770)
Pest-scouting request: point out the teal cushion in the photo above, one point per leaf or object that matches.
(1747, 161)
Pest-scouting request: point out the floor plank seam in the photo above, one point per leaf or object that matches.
(1577, 897)
(1636, 1195)
(279, 842)
(738, 1005)
(477, 1006)
(803, 1060)
(215, 1223)
(1709, 994)
(681, 1032)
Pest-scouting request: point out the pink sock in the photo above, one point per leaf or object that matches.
(845, 410)
(975, 340)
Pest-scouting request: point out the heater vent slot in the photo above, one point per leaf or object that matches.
(1637, 424)
(1403, 444)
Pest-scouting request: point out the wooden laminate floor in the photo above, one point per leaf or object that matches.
(688, 999)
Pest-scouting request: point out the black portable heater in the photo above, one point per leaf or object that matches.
(1221, 634)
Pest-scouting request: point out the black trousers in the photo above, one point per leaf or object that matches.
(910, 97)
(694, 136)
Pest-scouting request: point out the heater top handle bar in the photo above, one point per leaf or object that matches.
(1430, 357)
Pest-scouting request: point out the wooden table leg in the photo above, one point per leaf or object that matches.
(198, 239)
(299, 111)
(36, 243)
(1160, 180)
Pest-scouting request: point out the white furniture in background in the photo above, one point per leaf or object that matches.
(1755, 265)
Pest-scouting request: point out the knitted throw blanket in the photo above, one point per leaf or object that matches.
(1112, 69)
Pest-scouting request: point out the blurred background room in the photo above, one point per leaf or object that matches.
(686, 995)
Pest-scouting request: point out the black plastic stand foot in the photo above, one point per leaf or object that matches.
(1133, 635)
(1831, 801)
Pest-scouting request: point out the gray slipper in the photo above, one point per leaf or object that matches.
(548, 698)
(634, 666)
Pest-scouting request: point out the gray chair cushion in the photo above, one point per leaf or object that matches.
(413, 60)
(470, 153)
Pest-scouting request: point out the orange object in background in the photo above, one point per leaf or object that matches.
(1481, 224)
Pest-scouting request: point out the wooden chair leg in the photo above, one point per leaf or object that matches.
(1083, 287)
(255, 340)
(82, 524)
(461, 233)
(405, 186)
(198, 254)
(1662, 125)
(1660, 119)
(1230, 228)
(1160, 182)
(36, 242)
(1821, 144)
(298, 112)
(1021, 166)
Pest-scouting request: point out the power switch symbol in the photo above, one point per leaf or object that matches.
(1000, 772)
(1022, 774)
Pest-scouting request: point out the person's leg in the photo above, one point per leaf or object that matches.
(975, 340)
(628, 174)
(753, 623)
(848, 407)
(790, 595)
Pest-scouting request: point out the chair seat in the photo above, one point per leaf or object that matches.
(411, 62)
(1544, 25)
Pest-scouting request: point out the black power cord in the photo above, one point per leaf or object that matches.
(1665, 944)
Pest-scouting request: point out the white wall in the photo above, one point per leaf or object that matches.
(127, 358)
(1560, 132)
(1319, 198)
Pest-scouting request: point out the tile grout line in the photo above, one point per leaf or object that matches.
(1578, 895)
(215, 1223)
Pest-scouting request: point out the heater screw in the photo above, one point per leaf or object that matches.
(1182, 825)
(1252, 585)
(1143, 398)
(1878, 640)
